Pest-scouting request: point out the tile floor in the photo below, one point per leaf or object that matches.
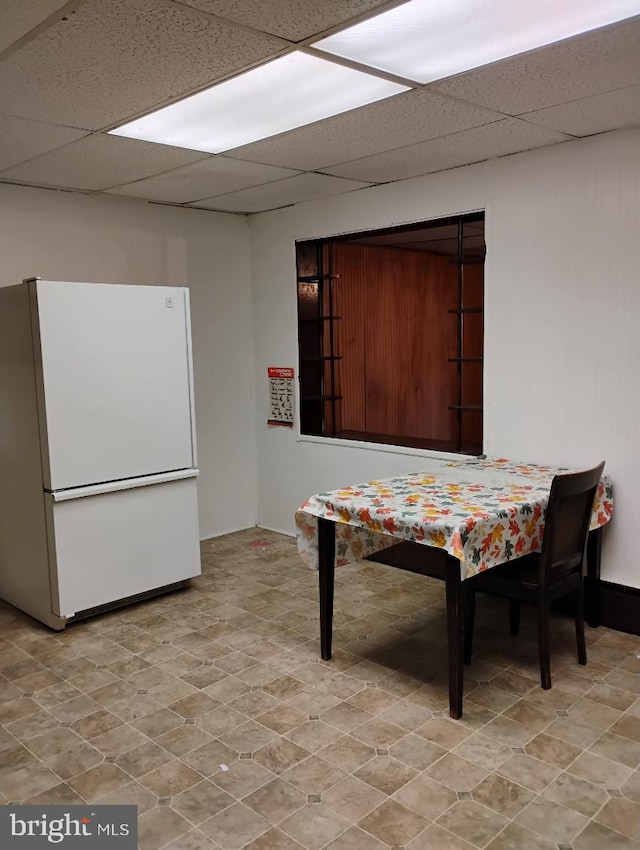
(210, 710)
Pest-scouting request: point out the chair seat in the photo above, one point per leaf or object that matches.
(520, 579)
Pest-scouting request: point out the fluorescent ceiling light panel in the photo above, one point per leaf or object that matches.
(427, 40)
(288, 92)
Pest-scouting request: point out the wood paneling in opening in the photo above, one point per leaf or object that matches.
(394, 338)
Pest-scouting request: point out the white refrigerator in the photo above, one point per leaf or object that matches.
(98, 467)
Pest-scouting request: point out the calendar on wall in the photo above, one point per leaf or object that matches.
(281, 394)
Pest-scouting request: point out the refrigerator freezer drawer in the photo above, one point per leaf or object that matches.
(118, 544)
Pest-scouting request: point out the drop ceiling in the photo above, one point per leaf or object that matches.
(72, 71)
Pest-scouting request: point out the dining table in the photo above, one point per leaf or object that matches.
(472, 514)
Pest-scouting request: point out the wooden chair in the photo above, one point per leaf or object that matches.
(555, 572)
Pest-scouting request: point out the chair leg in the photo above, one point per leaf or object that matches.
(514, 616)
(544, 645)
(469, 619)
(579, 615)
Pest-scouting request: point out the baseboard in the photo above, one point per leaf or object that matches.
(619, 607)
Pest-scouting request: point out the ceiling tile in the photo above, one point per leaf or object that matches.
(579, 67)
(115, 58)
(399, 120)
(21, 139)
(499, 139)
(99, 162)
(304, 187)
(216, 175)
(19, 18)
(598, 114)
(291, 19)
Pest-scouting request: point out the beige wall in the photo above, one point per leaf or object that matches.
(562, 308)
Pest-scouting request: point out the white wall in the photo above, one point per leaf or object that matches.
(65, 236)
(562, 321)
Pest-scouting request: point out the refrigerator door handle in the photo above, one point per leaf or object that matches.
(124, 484)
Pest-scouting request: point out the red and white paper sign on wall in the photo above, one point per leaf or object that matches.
(280, 396)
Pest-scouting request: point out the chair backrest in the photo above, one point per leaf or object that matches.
(567, 522)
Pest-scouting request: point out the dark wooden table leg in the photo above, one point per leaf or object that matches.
(455, 633)
(592, 595)
(326, 569)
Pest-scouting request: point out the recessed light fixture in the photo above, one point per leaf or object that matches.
(288, 92)
(427, 40)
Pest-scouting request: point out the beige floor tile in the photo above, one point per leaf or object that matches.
(628, 726)
(552, 750)
(631, 788)
(618, 749)
(143, 759)
(33, 726)
(353, 839)
(74, 761)
(249, 737)
(622, 816)
(158, 722)
(426, 796)
(416, 751)
(313, 735)
(170, 779)
(505, 797)
(314, 775)
(609, 695)
(200, 802)
(159, 826)
(577, 794)
(242, 778)
(131, 794)
(516, 837)
(275, 801)
(552, 820)
(345, 716)
(486, 752)
(393, 823)
(595, 714)
(283, 718)
(119, 741)
(386, 774)
(207, 758)
(60, 795)
(597, 837)
(472, 822)
(446, 733)
(373, 700)
(280, 755)
(352, 798)
(96, 724)
(27, 782)
(457, 773)
(434, 837)
(221, 720)
(235, 827)
(573, 732)
(18, 756)
(508, 732)
(274, 839)
(315, 825)
(530, 714)
(347, 753)
(527, 771)
(602, 771)
(98, 781)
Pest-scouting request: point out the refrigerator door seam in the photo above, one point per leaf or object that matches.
(124, 484)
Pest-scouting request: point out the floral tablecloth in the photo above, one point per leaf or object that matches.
(482, 511)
